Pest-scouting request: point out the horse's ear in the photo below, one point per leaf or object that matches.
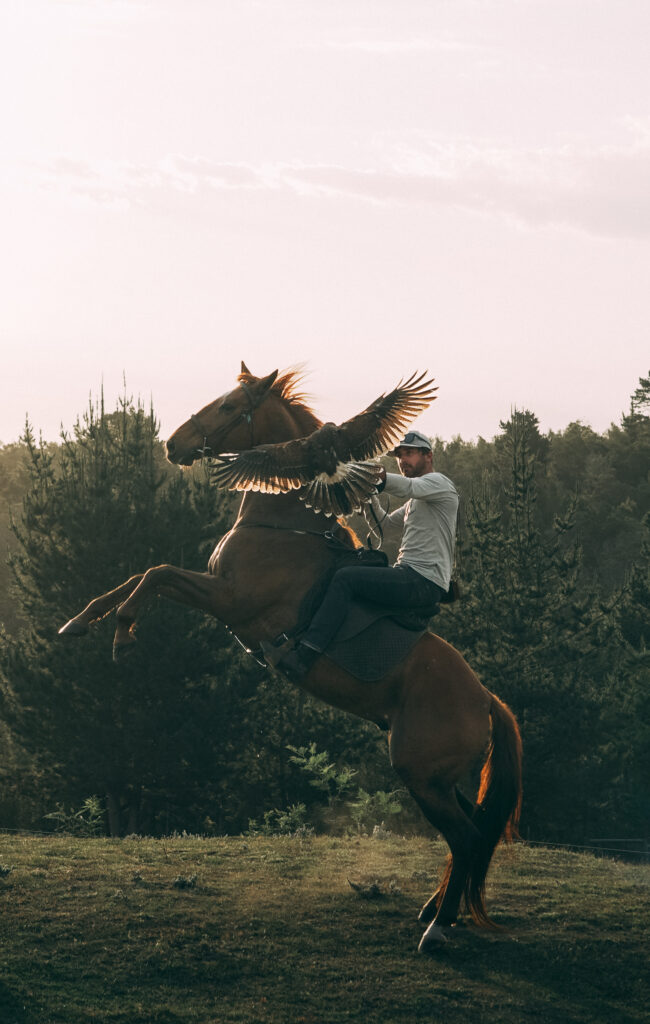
(264, 383)
(244, 369)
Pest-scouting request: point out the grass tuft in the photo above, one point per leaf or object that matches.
(182, 882)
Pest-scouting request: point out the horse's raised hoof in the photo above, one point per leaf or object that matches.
(122, 651)
(73, 628)
(435, 937)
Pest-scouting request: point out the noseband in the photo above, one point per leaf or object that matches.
(246, 415)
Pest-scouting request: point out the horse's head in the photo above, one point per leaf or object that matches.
(225, 425)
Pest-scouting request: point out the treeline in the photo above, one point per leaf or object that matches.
(191, 734)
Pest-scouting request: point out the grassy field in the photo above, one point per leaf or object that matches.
(270, 930)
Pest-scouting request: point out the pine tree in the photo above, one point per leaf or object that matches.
(624, 748)
(524, 627)
(641, 396)
(100, 507)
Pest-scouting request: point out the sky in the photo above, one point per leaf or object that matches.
(365, 187)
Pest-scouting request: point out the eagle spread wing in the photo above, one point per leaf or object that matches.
(330, 466)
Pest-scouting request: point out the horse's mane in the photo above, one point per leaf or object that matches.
(288, 387)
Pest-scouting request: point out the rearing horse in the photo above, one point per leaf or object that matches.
(440, 719)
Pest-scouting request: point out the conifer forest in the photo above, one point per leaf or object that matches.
(191, 735)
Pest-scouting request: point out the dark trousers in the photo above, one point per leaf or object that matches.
(399, 586)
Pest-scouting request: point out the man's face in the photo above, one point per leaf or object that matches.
(414, 461)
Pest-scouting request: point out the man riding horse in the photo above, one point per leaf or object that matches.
(422, 573)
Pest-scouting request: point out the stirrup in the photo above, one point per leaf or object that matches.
(275, 651)
(297, 662)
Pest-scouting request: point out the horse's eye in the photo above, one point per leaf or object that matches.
(227, 407)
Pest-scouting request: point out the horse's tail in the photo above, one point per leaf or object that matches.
(498, 804)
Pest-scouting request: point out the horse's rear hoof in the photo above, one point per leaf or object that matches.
(434, 939)
(73, 628)
(122, 651)
(428, 912)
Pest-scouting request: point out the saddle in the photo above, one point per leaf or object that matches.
(374, 638)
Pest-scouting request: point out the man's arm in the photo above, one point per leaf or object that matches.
(428, 487)
(384, 518)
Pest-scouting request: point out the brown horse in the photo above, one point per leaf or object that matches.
(440, 719)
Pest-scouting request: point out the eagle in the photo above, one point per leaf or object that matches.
(331, 467)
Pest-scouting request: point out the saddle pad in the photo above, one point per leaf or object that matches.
(375, 651)
(362, 613)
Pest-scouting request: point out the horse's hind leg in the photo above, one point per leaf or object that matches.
(429, 778)
(443, 811)
(99, 607)
(430, 908)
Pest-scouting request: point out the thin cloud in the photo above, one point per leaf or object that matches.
(194, 173)
(600, 190)
(107, 8)
(121, 183)
(415, 44)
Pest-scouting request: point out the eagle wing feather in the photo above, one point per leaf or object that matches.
(330, 466)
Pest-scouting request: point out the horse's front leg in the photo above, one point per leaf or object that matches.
(98, 608)
(197, 589)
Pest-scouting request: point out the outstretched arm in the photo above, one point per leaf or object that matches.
(430, 487)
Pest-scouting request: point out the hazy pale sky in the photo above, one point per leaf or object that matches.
(367, 186)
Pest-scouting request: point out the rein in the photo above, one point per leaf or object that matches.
(327, 535)
(374, 533)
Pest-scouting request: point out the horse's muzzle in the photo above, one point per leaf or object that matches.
(176, 457)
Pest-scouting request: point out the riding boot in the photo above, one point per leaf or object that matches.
(296, 663)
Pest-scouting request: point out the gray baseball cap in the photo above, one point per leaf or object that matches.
(414, 439)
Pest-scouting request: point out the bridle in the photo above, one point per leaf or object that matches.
(246, 415)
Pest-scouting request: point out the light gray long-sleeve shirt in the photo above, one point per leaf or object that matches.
(428, 519)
